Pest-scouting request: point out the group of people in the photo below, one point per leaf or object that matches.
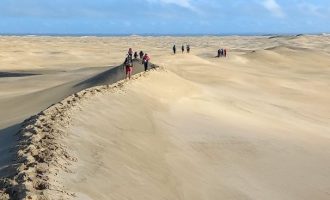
(222, 53)
(128, 63)
(182, 48)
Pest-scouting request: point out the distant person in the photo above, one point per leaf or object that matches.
(219, 53)
(182, 48)
(225, 52)
(174, 49)
(188, 48)
(146, 59)
(141, 54)
(128, 63)
(130, 52)
(135, 55)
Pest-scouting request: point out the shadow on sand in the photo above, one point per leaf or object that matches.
(45, 98)
(15, 74)
(8, 144)
(112, 75)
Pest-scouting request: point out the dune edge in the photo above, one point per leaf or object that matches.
(40, 155)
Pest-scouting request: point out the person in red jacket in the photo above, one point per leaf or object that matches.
(128, 64)
(146, 59)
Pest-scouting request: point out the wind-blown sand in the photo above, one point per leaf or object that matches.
(252, 126)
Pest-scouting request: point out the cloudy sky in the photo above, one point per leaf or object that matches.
(164, 16)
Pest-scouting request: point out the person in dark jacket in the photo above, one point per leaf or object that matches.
(188, 48)
(128, 66)
(141, 54)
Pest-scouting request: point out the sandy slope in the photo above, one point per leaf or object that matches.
(203, 132)
(252, 126)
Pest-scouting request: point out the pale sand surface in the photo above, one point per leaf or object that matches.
(252, 126)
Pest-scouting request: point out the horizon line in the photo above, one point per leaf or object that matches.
(159, 34)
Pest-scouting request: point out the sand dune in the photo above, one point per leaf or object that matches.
(252, 126)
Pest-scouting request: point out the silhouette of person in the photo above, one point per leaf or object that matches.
(141, 54)
(188, 48)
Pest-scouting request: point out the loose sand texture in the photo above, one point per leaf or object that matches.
(254, 125)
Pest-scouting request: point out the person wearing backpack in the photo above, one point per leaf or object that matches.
(146, 59)
(128, 63)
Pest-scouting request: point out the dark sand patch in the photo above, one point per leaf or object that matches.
(15, 74)
(35, 153)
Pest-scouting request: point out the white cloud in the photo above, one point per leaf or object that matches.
(182, 3)
(273, 7)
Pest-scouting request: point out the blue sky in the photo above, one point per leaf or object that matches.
(164, 16)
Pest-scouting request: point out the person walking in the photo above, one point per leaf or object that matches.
(130, 52)
(188, 48)
(128, 64)
(174, 49)
(146, 59)
(141, 54)
(182, 48)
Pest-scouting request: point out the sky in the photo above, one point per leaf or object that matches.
(88, 17)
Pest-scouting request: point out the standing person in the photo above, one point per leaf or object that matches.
(225, 52)
(182, 48)
(219, 53)
(146, 59)
(130, 52)
(174, 49)
(135, 55)
(188, 48)
(141, 54)
(128, 63)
